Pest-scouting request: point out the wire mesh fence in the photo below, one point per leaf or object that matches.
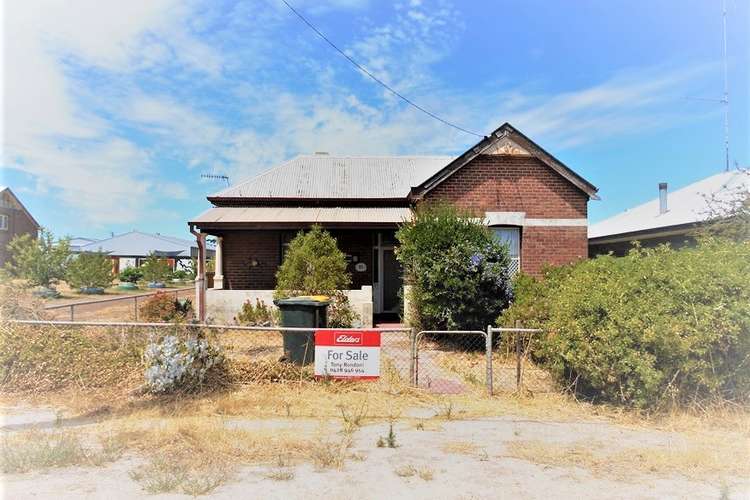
(443, 362)
(513, 369)
(124, 308)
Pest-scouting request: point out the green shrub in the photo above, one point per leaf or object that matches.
(314, 265)
(259, 314)
(458, 270)
(655, 327)
(130, 275)
(89, 270)
(155, 269)
(161, 307)
(40, 261)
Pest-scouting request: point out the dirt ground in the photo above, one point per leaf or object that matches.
(435, 456)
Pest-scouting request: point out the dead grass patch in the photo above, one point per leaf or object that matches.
(36, 450)
(460, 448)
(701, 459)
(424, 473)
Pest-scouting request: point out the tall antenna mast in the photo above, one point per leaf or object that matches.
(725, 99)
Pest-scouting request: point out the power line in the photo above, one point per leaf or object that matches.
(375, 78)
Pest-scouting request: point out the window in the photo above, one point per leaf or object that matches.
(3, 222)
(510, 236)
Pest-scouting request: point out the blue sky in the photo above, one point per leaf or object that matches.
(113, 110)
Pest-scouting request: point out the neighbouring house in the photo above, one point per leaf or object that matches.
(15, 220)
(528, 197)
(133, 248)
(670, 217)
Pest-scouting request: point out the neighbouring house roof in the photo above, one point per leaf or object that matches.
(138, 244)
(78, 242)
(305, 215)
(685, 207)
(6, 189)
(322, 176)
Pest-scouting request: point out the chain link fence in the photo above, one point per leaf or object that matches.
(442, 362)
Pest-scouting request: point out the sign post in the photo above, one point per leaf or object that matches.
(347, 354)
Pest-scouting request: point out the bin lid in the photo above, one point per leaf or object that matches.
(304, 300)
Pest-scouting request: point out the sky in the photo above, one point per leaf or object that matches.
(112, 110)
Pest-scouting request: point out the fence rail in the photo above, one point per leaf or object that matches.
(441, 361)
(73, 305)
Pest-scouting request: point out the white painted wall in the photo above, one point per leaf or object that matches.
(222, 306)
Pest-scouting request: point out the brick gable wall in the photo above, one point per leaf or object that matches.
(504, 183)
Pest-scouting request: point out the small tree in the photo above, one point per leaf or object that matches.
(90, 270)
(458, 270)
(40, 261)
(313, 265)
(155, 269)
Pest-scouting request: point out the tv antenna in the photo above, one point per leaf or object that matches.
(724, 101)
(216, 177)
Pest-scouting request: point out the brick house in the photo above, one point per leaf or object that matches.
(528, 198)
(15, 220)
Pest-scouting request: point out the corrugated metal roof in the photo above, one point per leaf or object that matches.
(304, 215)
(324, 176)
(684, 206)
(136, 243)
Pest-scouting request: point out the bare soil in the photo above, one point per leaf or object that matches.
(434, 457)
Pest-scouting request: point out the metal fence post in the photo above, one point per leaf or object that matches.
(135, 301)
(412, 355)
(488, 348)
(72, 316)
(518, 356)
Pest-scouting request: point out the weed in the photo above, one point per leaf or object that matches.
(36, 450)
(326, 454)
(168, 474)
(405, 471)
(445, 410)
(159, 476)
(353, 420)
(358, 456)
(388, 441)
(424, 473)
(280, 474)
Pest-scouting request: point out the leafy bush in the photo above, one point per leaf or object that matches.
(340, 312)
(259, 314)
(130, 275)
(90, 270)
(458, 270)
(173, 364)
(165, 308)
(40, 261)
(179, 274)
(155, 269)
(655, 327)
(314, 265)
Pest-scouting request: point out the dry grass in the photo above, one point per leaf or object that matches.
(424, 473)
(694, 459)
(35, 450)
(460, 447)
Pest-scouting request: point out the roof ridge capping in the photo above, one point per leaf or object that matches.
(503, 131)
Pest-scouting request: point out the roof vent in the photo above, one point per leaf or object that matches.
(662, 198)
(322, 153)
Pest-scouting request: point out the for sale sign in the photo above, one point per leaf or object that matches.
(347, 354)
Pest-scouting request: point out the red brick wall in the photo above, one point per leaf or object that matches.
(240, 247)
(497, 183)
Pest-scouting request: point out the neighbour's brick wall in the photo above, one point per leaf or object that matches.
(500, 183)
(240, 247)
(18, 223)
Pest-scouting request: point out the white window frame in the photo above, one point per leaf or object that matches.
(3, 222)
(515, 260)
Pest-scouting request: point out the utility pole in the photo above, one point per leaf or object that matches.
(725, 99)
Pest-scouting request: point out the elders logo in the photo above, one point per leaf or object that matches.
(349, 338)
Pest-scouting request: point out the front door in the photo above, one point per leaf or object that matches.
(387, 280)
